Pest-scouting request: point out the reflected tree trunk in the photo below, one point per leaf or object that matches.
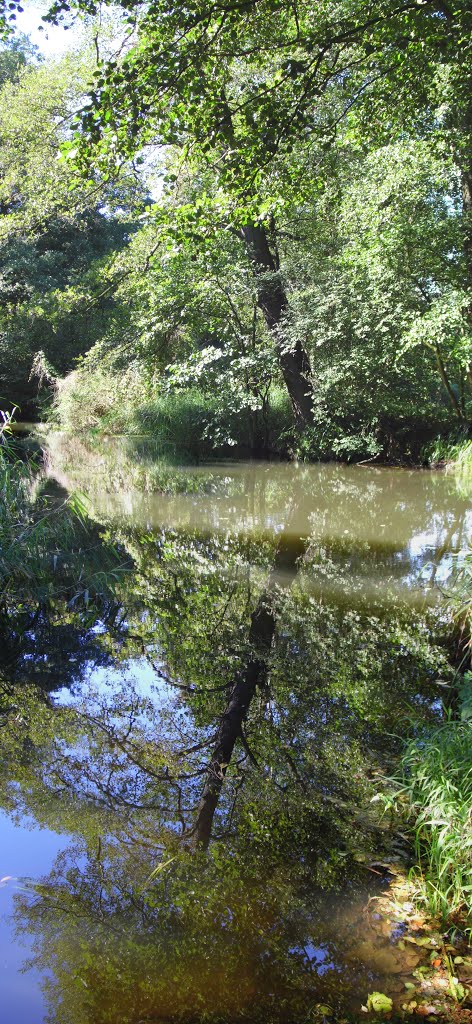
(249, 679)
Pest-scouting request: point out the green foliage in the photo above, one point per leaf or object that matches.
(379, 1003)
(250, 82)
(285, 100)
(367, 236)
(46, 285)
(15, 54)
(438, 786)
(48, 552)
(355, 304)
(56, 237)
(189, 422)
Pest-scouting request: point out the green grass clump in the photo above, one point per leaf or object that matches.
(191, 423)
(201, 424)
(437, 772)
(447, 450)
(464, 454)
(186, 422)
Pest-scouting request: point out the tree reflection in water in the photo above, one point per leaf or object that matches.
(277, 690)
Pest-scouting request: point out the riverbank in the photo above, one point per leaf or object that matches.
(180, 446)
(200, 424)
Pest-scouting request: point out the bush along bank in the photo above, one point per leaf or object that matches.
(200, 423)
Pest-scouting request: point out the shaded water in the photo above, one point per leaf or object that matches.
(312, 591)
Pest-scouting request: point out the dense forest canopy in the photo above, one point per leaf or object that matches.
(308, 233)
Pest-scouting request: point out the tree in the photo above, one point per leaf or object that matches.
(15, 54)
(235, 85)
(390, 282)
(372, 263)
(55, 238)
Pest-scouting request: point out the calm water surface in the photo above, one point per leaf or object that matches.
(313, 591)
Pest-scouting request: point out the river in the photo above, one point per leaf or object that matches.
(190, 825)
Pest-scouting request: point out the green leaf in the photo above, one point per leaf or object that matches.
(379, 1003)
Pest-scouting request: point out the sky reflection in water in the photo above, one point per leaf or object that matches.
(368, 533)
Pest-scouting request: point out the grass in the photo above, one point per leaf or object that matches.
(436, 778)
(194, 424)
(444, 450)
(203, 425)
(437, 783)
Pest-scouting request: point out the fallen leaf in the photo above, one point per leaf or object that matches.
(379, 1003)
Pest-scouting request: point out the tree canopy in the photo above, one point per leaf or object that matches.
(309, 226)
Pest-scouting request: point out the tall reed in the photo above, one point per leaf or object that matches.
(437, 782)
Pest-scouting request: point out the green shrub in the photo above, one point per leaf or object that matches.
(198, 421)
(191, 422)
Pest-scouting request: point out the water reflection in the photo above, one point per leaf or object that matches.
(244, 697)
(22, 998)
(381, 523)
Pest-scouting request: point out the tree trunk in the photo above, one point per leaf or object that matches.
(466, 183)
(447, 385)
(463, 156)
(273, 302)
(249, 678)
